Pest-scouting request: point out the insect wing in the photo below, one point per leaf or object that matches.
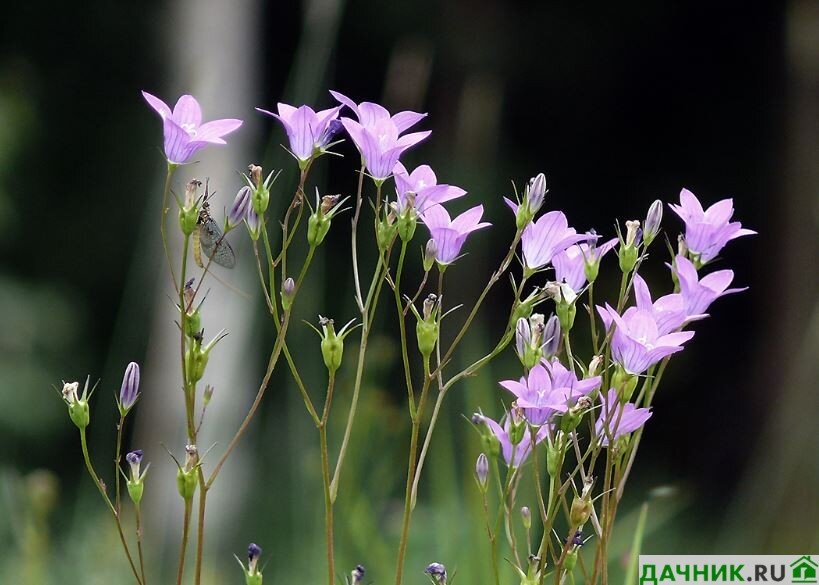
(214, 245)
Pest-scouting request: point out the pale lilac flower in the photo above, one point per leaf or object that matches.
(449, 234)
(667, 311)
(185, 134)
(377, 134)
(637, 343)
(617, 419)
(514, 455)
(482, 469)
(548, 236)
(549, 389)
(570, 264)
(309, 132)
(129, 391)
(698, 293)
(654, 217)
(707, 231)
(420, 189)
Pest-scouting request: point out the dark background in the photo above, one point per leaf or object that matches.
(619, 104)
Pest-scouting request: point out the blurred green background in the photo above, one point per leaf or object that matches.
(618, 104)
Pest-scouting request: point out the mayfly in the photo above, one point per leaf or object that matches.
(208, 240)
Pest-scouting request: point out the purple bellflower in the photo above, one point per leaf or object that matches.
(549, 389)
(637, 343)
(707, 231)
(514, 455)
(548, 236)
(698, 293)
(617, 419)
(450, 234)
(377, 135)
(420, 189)
(185, 134)
(667, 311)
(570, 264)
(309, 132)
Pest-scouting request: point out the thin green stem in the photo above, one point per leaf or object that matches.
(402, 326)
(139, 543)
(325, 476)
(95, 478)
(493, 544)
(165, 193)
(180, 571)
(117, 459)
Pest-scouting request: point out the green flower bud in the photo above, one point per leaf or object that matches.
(518, 428)
(386, 232)
(317, 228)
(553, 459)
(288, 293)
(186, 479)
(332, 346)
(407, 222)
(428, 326)
(628, 249)
(624, 382)
(78, 409)
(189, 213)
(526, 517)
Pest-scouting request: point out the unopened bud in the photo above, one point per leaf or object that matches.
(254, 224)
(129, 391)
(536, 193)
(436, 572)
(551, 337)
(430, 255)
(653, 220)
(241, 203)
(482, 471)
(288, 293)
(526, 517)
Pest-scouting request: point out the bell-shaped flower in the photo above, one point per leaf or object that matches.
(185, 134)
(617, 419)
(637, 342)
(378, 135)
(308, 131)
(420, 189)
(514, 455)
(548, 236)
(668, 311)
(698, 293)
(549, 389)
(450, 234)
(707, 231)
(570, 264)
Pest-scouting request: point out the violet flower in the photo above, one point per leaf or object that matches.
(637, 343)
(309, 132)
(698, 294)
(668, 311)
(377, 135)
(548, 236)
(450, 234)
(707, 231)
(570, 264)
(185, 134)
(617, 419)
(420, 189)
(549, 389)
(514, 455)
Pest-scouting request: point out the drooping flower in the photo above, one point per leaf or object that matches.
(377, 135)
(309, 132)
(617, 419)
(514, 455)
(185, 134)
(707, 231)
(548, 236)
(450, 234)
(129, 391)
(698, 293)
(571, 264)
(420, 189)
(637, 343)
(549, 389)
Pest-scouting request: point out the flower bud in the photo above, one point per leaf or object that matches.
(288, 293)
(553, 456)
(135, 483)
(189, 213)
(317, 227)
(551, 337)
(386, 231)
(489, 441)
(357, 576)
(536, 193)
(407, 222)
(260, 197)
(437, 573)
(238, 211)
(253, 223)
(624, 382)
(129, 391)
(526, 517)
(482, 471)
(652, 223)
(517, 430)
(430, 253)
(253, 575)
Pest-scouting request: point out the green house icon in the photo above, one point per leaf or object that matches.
(803, 570)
